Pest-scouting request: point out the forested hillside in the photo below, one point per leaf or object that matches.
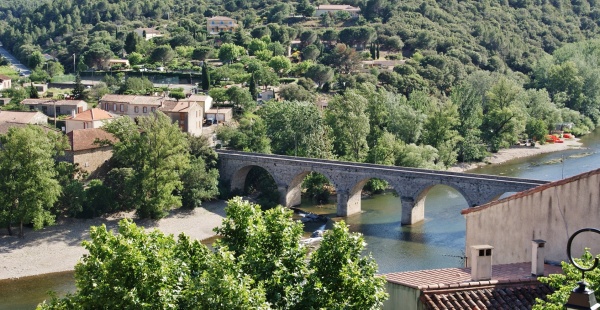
(468, 77)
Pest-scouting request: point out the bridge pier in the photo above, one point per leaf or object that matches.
(289, 197)
(347, 205)
(412, 212)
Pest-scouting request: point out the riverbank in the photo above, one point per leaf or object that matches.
(505, 155)
(58, 248)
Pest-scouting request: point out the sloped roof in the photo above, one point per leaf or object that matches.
(18, 117)
(4, 78)
(84, 139)
(221, 18)
(337, 7)
(52, 102)
(133, 99)
(149, 30)
(532, 191)
(520, 296)
(94, 114)
(197, 98)
(174, 106)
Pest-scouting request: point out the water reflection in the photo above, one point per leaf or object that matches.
(26, 293)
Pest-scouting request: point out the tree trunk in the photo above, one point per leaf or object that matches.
(21, 229)
(10, 232)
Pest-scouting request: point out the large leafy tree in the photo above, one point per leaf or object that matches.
(347, 117)
(28, 186)
(157, 151)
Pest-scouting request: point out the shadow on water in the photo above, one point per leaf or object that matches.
(27, 292)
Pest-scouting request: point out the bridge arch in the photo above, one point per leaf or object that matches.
(292, 193)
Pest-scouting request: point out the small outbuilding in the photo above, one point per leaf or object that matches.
(220, 115)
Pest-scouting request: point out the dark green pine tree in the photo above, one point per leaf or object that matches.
(377, 51)
(372, 51)
(78, 89)
(205, 77)
(33, 93)
(252, 87)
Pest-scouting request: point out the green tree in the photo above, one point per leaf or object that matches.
(131, 42)
(292, 92)
(347, 117)
(163, 54)
(219, 95)
(78, 89)
(252, 87)
(320, 74)
(439, 131)
(256, 45)
(205, 77)
(157, 151)
(280, 64)
(249, 136)
(55, 68)
(135, 58)
(564, 283)
(199, 183)
(470, 112)
(136, 86)
(33, 93)
(338, 266)
(229, 52)
(28, 187)
(240, 98)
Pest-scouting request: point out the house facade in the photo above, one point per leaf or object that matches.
(148, 33)
(334, 8)
(5, 82)
(551, 212)
(85, 149)
(93, 118)
(53, 107)
(131, 105)
(218, 24)
(188, 115)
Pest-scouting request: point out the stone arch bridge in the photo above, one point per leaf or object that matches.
(348, 178)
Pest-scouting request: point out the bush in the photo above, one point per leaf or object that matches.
(287, 80)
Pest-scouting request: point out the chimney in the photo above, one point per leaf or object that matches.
(73, 113)
(537, 257)
(481, 262)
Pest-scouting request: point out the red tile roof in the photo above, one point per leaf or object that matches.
(532, 191)
(461, 277)
(94, 114)
(174, 106)
(4, 78)
(85, 139)
(520, 296)
(512, 287)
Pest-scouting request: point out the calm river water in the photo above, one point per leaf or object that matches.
(437, 242)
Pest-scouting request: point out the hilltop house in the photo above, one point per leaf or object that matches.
(53, 107)
(5, 82)
(217, 24)
(148, 33)
(93, 118)
(189, 113)
(334, 8)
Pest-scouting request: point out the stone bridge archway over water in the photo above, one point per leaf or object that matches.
(348, 178)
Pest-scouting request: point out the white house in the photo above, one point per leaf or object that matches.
(93, 118)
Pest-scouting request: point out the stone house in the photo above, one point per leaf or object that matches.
(5, 82)
(93, 118)
(551, 212)
(85, 149)
(217, 24)
(53, 107)
(334, 8)
(148, 33)
(188, 115)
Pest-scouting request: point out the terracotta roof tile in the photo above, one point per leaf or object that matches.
(532, 191)
(85, 139)
(174, 106)
(94, 114)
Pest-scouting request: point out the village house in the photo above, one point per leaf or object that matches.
(218, 24)
(86, 150)
(551, 212)
(148, 33)
(334, 8)
(42, 89)
(19, 117)
(5, 82)
(219, 115)
(188, 115)
(52, 107)
(93, 118)
(130, 105)
(120, 63)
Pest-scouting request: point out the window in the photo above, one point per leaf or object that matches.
(114, 106)
(230, 23)
(153, 109)
(145, 109)
(213, 22)
(106, 106)
(136, 109)
(221, 22)
(121, 108)
(57, 110)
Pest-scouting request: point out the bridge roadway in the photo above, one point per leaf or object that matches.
(348, 178)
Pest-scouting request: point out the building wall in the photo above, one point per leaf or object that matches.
(215, 26)
(48, 109)
(402, 295)
(6, 84)
(552, 214)
(72, 125)
(89, 160)
(131, 110)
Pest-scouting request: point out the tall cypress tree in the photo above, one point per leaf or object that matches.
(205, 77)
(252, 87)
(78, 89)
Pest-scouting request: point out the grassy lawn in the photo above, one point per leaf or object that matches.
(10, 72)
(64, 78)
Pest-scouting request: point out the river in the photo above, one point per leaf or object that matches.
(437, 242)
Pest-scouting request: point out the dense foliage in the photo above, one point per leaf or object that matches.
(258, 264)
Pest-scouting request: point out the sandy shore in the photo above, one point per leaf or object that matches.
(518, 152)
(58, 248)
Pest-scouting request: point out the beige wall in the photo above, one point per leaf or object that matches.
(402, 297)
(6, 84)
(72, 125)
(128, 109)
(553, 214)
